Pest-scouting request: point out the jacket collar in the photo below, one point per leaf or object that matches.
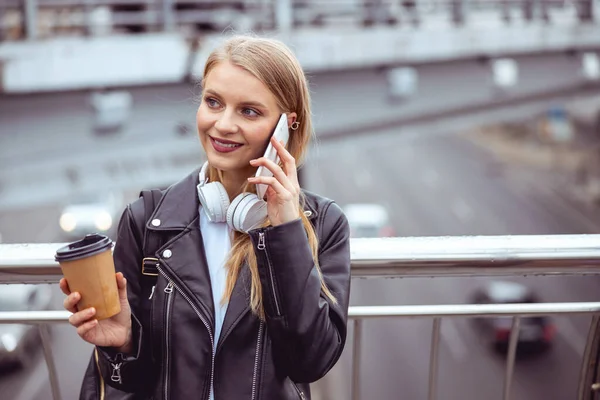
(179, 205)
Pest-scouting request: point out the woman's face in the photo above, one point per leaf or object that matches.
(235, 118)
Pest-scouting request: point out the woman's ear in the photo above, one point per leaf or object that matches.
(291, 118)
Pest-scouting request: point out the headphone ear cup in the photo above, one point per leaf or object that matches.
(246, 212)
(214, 200)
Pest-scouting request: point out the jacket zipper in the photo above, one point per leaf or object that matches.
(116, 370)
(262, 246)
(300, 392)
(257, 359)
(212, 341)
(169, 291)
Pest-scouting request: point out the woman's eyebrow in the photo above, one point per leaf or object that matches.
(210, 91)
(251, 103)
(254, 104)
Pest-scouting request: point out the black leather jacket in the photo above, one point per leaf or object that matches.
(299, 342)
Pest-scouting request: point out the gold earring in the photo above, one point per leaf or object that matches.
(294, 125)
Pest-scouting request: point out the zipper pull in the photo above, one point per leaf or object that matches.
(261, 240)
(169, 287)
(116, 373)
(152, 294)
(302, 395)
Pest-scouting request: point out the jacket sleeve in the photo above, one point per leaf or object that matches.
(308, 330)
(129, 372)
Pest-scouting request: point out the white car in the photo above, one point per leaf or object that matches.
(95, 213)
(18, 342)
(368, 220)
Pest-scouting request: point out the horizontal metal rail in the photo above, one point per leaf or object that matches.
(392, 257)
(358, 314)
(370, 312)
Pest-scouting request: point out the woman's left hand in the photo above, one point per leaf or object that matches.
(283, 190)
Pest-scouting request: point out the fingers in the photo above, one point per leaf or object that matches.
(121, 285)
(70, 302)
(83, 329)
(64, 286)
(275, 169)
(288, 161)
(81, 317)
(282, 193)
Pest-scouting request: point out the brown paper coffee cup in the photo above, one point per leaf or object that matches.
(89, 269)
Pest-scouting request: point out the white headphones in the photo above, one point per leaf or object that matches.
(244, 213)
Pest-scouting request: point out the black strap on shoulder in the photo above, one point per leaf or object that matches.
(151, 199)
(152, 240)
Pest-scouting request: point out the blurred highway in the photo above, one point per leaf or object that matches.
(447, 186)
(431, 186)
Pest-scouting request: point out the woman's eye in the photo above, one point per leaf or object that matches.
(212, 103)
(248, 112)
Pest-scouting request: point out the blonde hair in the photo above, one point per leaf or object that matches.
(273, 63)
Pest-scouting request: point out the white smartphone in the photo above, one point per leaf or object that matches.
(281, 133)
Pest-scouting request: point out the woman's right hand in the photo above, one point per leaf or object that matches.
(111, 332)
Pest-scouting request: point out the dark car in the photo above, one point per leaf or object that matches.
(535, 333)
(18, 342)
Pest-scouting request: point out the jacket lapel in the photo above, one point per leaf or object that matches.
(188, 266)
(239, 304)
(177, 211)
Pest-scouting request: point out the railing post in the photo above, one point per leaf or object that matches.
(284, 15)
(458, 8)
(30, 18)
(585, 10)
(528, 9)
(433, 358)
(589, 362)
(356, 359)
(168, 18)
(47, 347)
(510, 358)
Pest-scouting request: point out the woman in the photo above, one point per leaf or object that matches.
(231, 315)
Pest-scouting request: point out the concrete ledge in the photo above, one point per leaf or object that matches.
(83, 63)
(78, 63)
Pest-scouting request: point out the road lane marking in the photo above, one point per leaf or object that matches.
(568, 331)
(431, 178)
(363, 178)
(45, 233)
(461, 210)
(36, 380)
(451, 336)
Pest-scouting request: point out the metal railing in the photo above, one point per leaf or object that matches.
(394, 258)
(31, 19)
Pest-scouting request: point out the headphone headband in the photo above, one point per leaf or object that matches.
(202, 178)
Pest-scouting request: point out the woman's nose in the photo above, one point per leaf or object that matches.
(226, 123)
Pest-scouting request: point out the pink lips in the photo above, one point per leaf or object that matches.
(224, 149)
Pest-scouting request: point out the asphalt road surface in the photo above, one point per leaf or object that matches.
(432, 186)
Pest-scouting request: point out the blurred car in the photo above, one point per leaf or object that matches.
(90, 213)
(535, 334)
(18, 342)
(112, 110)
(368, 220)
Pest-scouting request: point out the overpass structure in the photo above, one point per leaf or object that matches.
(375, 66)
